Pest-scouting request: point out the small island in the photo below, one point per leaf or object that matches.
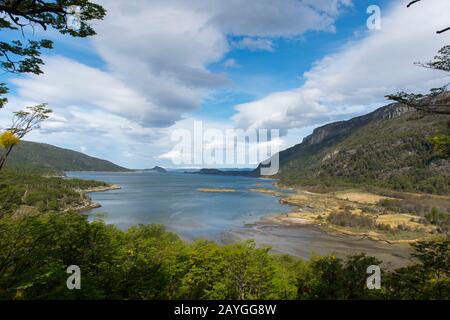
(156, 169)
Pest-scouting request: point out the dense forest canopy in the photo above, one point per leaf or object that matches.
(147, 262)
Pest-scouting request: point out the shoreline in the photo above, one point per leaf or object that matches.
(312, 209)
(309, 241)
(303, 214)
(88, 203)
(305, 231)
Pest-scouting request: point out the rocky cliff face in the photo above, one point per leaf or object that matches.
(387, 147)
(341, 128)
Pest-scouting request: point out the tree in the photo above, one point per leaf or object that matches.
(435, 102)
(438, 100)
(429, 279)
(355, 277)
(23, 123)
(326, 280)
(17, 56)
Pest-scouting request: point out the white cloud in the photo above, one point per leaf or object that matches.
(157, 52)
(268, 18)
(254, 44)
(155, 58)
(67, 83)
(360, 74)
(165, 46)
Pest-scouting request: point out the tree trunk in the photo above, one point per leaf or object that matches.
(4, 157)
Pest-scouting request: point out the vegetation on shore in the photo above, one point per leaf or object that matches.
(147, 262)
(41, 236)
(24, 192)
(388, 216)
(392, 153)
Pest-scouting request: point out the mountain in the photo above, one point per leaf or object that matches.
(388, 148)
(32, 155)
(157, 169)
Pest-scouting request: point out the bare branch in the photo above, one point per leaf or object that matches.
(443, 30)
(411, 3)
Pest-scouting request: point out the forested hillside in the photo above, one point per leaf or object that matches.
(28, 192)
(46, 157)
(389, 147)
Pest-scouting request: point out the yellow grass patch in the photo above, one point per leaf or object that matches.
(359, 197)
(394, 220)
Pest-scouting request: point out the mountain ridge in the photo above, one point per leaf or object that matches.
(388, 147)
(42, 156)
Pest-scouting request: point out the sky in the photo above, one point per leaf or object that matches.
(158, 66)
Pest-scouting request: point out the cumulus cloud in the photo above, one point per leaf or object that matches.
(155, 58)
(157, 52)
(267, 18)
(67, 83)
(358, 76)
(164, 46)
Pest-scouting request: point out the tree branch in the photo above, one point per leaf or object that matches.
(443, 30)
(411, 3)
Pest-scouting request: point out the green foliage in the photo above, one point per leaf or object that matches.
(19, 57)
(3, 90)
(24, 121)
(441, 61)
(435, 102)
(391, 153)
(32, 189)
(10, 197)
(429, 279)
(147, 262)
(425, 103)
(332, 278)
(347, 219)
(439, 219)
(441, 144)
(31, 52)
(51, 14)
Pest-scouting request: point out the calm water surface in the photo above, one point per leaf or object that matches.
(172, 199)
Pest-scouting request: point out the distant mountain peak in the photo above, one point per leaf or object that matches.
(157, 169)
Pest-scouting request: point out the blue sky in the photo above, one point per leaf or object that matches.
(158, 66)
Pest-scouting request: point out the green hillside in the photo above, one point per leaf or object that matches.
(32, 155)
(386, 148)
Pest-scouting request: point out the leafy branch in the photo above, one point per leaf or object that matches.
(23, 122)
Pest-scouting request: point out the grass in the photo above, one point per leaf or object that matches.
(360, 212)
